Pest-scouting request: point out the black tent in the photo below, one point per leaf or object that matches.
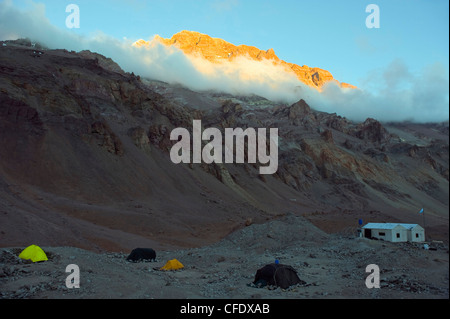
(144, 254)
(279, 275)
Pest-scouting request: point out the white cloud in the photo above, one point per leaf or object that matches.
(394, 94)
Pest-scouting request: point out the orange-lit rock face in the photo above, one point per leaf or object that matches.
(217, 50)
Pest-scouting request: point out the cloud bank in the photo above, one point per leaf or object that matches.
(393, 94)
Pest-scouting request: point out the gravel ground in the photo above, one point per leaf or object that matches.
(332, 266)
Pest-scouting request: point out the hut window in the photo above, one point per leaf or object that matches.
(398, 235)
(381, 233)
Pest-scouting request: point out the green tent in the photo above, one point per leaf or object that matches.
(33, 253)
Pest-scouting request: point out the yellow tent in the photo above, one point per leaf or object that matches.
(172, 265)
(33, 252)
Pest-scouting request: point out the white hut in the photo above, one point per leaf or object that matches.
(386, 231)
(394, 232)
(416, 233)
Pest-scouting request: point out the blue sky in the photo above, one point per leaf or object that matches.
(329, 34)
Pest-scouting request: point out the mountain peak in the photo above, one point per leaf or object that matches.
(217, 50)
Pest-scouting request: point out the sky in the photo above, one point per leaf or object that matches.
(410, 47)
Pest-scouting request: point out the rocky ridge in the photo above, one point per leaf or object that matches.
(85, 161)
(217, 50)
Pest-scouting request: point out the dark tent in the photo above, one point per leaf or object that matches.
(277, 275)
(145, 254)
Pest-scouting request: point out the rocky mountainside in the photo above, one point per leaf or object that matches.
(217, 50)
(84, 161)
